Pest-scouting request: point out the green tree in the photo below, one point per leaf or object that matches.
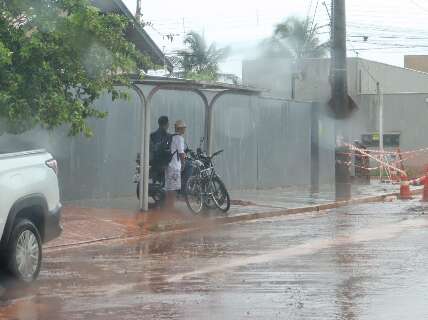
(295, 38)
(199, 61)
(56, 58)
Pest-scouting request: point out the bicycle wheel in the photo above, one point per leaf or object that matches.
(193, 195)
(220, 195)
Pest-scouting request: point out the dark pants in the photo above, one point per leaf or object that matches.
(186, 174)
(157, 175)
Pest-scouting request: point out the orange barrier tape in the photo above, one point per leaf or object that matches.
(365, 168)
(418, 181)
(383, 163)
(403, 152)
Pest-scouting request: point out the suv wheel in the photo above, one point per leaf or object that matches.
(25, 251)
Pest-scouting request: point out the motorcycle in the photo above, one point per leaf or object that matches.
(204, 189)
(156, 184)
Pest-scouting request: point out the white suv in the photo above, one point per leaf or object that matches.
(30, 210)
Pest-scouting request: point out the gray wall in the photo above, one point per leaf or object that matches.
(403, 113)
(180, 105)
(266, 142)
(393, 79)
(101, 166)
(327, 145)
(273, 75)
(313, 78)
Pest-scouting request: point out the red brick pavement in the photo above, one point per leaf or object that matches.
(82, 225)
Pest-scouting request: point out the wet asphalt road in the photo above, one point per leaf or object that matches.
(362, 262)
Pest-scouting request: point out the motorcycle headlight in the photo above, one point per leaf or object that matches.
(199, 163)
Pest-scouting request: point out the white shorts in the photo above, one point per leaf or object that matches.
(172, 179)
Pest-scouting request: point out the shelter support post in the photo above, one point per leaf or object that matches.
(209, 124)
(178, 85)
(144, 197)
(145, 140)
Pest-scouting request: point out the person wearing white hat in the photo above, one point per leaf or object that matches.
(175, 167)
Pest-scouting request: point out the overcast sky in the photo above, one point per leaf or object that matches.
(394, 27)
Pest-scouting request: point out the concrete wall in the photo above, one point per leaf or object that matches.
(311, 84)
(266, 142)
(313, 78)
(403, 113)
(392, 79)
(265, 139)
(327, 145)
(273, 75)
(180, 105)
(101, 166)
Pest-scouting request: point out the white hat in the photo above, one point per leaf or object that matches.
(180, 124)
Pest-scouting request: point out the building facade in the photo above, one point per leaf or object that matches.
(405, 97)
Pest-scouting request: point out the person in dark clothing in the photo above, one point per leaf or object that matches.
(161, 134)
(158, 138)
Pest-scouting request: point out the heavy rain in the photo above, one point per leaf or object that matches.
(218, 161)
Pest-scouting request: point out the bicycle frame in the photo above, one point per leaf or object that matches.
(205, 173)
(206, 185)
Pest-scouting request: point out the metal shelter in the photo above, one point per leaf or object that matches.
(209, 94)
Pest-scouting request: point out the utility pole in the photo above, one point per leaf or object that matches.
(138, 15)
(340, 102)
(339, 63)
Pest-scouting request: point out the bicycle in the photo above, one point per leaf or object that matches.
(205, 189)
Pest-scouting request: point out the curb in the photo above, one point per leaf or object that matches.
(285, 212)
(194, 226)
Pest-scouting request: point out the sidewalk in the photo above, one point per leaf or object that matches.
(299, 196)
(106, 219)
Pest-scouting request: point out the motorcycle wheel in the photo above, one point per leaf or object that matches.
(220, 195)
(158, 197)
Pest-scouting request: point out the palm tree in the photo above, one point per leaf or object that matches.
(295, 38)
(200, 60)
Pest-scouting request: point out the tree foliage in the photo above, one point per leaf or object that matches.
(199, 61)
(56, 58)
(294, 38)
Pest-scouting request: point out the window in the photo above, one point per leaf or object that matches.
(390, 140)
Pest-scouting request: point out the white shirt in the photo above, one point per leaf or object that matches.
(177, 144)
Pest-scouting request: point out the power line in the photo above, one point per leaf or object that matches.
(309, 10)
(315, 15)
(326, 9)
(391, 47)
(396, 45)
(365, 66)
(399, 36)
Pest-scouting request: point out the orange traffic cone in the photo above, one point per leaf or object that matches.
(405, 189)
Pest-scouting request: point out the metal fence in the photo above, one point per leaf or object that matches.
(267, 143)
